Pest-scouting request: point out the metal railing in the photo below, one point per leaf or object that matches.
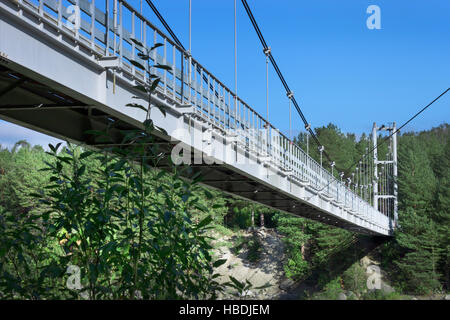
(107, 30)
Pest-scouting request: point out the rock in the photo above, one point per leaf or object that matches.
(84, 295)
(286, 284)
(447, 297)
(342, 296)
(385, 288)
(365, 262)
(289, 296)
(247, 293)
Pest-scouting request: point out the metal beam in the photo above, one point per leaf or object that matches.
(39, 107)
(11, 87)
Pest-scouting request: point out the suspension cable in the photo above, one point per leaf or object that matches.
(235, 49)
(267, 53)
(280, 76)
(165, 24)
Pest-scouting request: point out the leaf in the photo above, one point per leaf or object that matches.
(143, 56)
(218, 263)
(154, 84)
(81, 170)
(237, 283)
(197, 177)
(160, 175)
(185, 197)
(208, 194)
(137, 64)
(167, 216)
(57, 146)
(157, 45)
(136, 105)
(163, 66)
(141, 88)
(86, 154)
(204, 222)
(161, 109)
(137, 42)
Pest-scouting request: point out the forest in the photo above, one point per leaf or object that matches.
(135, 232)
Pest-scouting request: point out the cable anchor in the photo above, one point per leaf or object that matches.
(290, 95)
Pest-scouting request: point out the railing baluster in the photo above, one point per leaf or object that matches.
(155, 70)
(92, 12)
(107, 9)
(174, 73)
(60, 13)
(165, 63)
(133, 46)
(114, 27)
(196, 87)
(121, 30)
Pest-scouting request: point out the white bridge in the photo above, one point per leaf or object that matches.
(63, 81)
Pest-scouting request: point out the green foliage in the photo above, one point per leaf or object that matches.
(294, 238)
(254, 248)
(242, 218)
(354, 278)
(296, 266)
(330, 291)
(243, 214)
(417, 183)
(243, 287)
(422, 237)
(128, 227)
(419, 266)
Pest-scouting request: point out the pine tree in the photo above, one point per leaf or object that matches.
(443, 212)
(419, 237)
(418, 234)
(416, 183)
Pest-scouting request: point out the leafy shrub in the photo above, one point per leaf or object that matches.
(354, 278)
(296, 266)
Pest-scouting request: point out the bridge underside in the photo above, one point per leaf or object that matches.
(34, 105)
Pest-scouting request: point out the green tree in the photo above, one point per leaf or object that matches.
(419, 237)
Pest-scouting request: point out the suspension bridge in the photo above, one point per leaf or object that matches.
(63, 80)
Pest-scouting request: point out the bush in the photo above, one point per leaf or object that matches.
(354, 278)
(330, 291)
(254, 249)
(296, 266)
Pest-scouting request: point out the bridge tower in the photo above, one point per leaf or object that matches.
(385, 188)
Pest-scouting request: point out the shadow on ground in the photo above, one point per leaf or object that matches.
(339, 260)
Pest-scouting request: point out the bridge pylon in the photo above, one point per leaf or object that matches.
(385, 188)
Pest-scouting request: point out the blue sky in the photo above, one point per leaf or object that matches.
(340, 71)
